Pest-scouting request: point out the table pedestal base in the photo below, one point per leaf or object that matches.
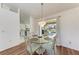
(44, 53)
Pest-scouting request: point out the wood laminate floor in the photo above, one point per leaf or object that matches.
(17, 50)
(21, 50)
(66, 51)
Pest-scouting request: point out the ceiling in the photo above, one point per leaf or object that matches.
(34, 9)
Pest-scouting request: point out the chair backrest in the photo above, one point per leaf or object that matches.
(29, 43)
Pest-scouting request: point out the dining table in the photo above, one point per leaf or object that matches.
(40, 46)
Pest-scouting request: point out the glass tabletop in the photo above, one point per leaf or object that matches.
(40, 41)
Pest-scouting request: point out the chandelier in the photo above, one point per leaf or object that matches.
(42, 22)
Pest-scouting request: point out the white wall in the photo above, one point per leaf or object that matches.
(9, 29)
(69, 28)
(33, 26)
(36, 27)
(0, 5)
(24, 19)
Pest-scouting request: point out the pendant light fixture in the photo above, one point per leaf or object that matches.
(42, 22)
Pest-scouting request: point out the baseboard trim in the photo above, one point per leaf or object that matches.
(16, 50)
(12, 46)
